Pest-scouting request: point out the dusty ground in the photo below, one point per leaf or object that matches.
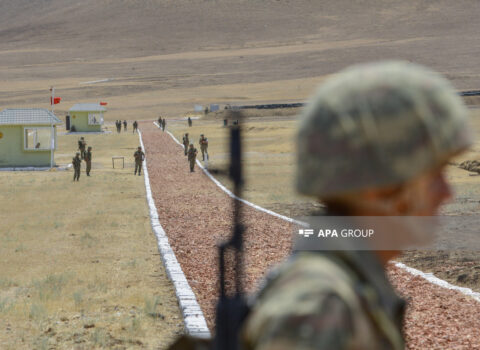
(196, 215)
(79, 265)
(163, 56)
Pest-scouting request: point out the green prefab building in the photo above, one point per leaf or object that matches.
(86, 117)
(28, 137)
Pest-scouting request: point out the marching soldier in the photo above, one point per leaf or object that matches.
(77, 163)
(192, 156)
(203, 146)
(393, 128)
(139, 158)
(88, 160)
(124, 125)
(186, 142)
(135, 126)
(164, 123)
(81, 146)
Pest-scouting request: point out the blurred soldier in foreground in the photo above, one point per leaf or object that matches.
(139, 158)
(203, 146)
(88, 160)
(374, 141)
(81, 146)
(192, 156)
(135, 126)
(186, 142)
(77, 163)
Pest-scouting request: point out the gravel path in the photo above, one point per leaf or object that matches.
(196, 215)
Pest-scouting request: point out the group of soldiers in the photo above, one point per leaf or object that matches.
(84, 153)
(162, 123)
(118, 125)
(191, 151)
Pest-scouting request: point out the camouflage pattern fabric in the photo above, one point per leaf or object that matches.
(192, 156)
(378, 125)
(139, 157)
(186, 142)
(77, 163)
(203, 146)
(88, 161)
(319, 301)
(470, 165)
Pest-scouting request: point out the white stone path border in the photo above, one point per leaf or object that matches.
(193, 317)
(430, 277)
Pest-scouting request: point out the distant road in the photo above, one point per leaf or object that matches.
(295, 105)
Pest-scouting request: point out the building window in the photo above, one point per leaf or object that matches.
(38, 138)
(95, 118)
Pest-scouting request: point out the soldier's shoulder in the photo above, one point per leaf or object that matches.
(308, 300)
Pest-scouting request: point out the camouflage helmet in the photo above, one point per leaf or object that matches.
(377, 125)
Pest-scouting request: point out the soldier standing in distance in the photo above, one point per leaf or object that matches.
(159, 122)
(192, 156)
(392, 127)
(164, 123)
(88, 160)
(81, 146)
(135, 126)
(186, 142)
(203, 146)
(139, 158)
(125, 125)
(77, 163)
(189, 121)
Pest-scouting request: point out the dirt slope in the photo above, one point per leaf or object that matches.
(167, 55)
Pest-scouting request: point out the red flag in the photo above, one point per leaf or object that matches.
(103, 103)
(56, 100)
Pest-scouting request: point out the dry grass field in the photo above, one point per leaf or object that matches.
(79, 263)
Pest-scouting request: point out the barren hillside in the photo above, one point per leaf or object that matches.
(219, 50)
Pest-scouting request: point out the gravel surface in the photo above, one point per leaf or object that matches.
(196, 215)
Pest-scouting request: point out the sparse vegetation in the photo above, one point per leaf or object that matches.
(85, 252)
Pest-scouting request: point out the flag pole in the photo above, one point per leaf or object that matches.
(52, 136)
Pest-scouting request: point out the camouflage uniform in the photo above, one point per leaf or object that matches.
(203, 146)
(81, 146)
(77, 163)
(186, 142)
(88, 160)
(341, 300)
(139, 158)
(372, 126)
(192, 156)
